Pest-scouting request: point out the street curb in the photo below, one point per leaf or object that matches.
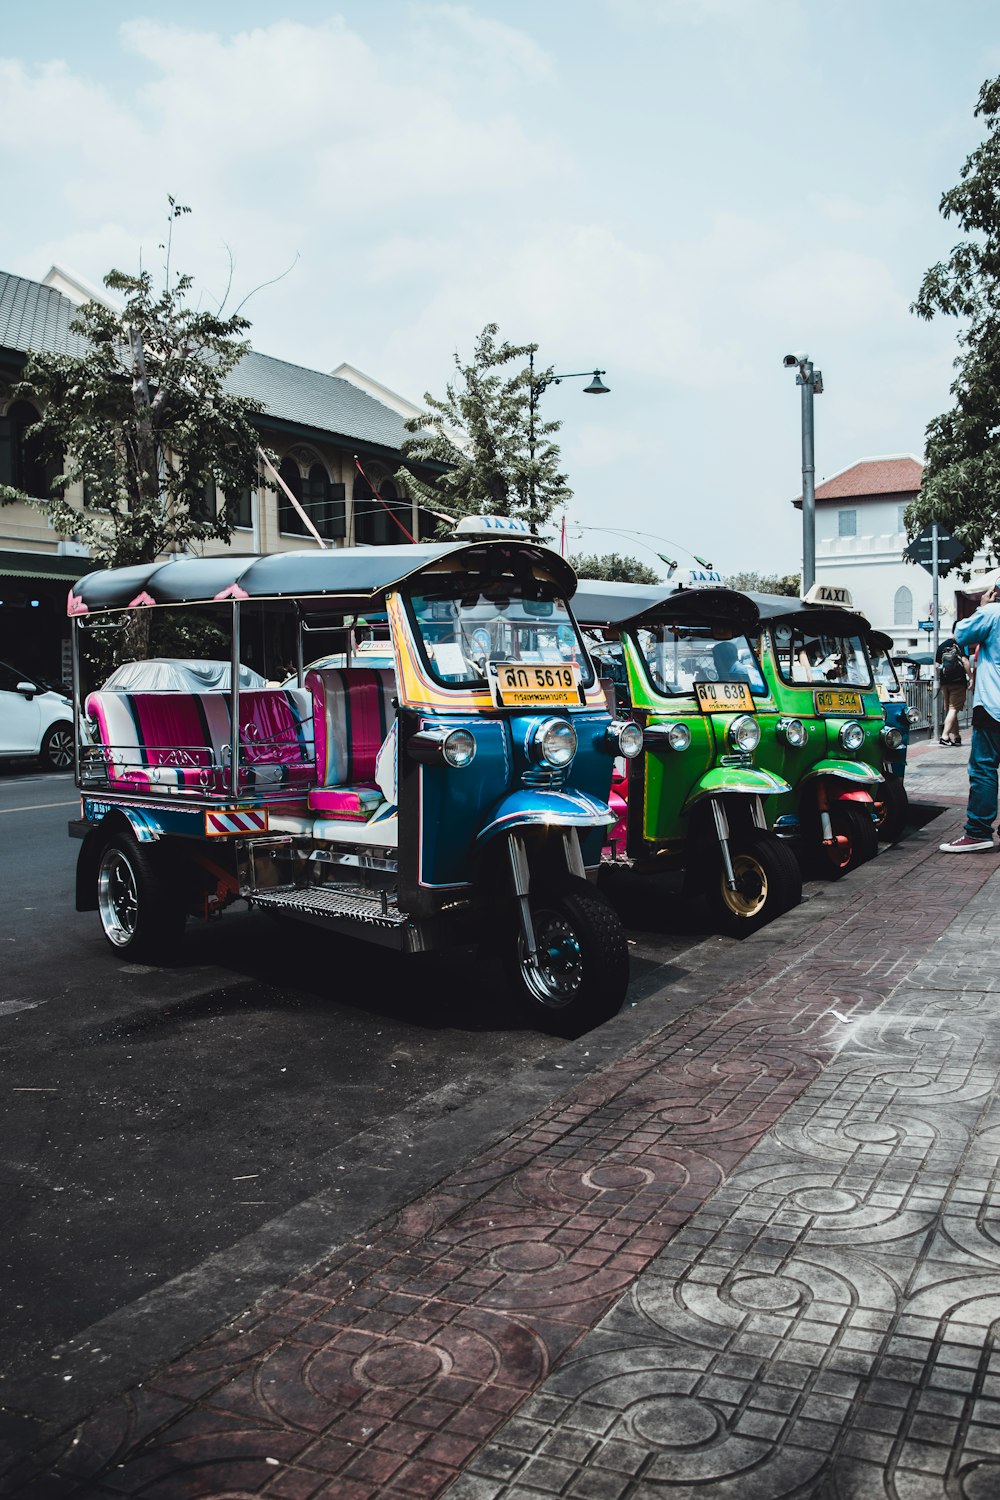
(378, 1172)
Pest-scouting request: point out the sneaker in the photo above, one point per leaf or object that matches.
(947, 743)
(967, 844)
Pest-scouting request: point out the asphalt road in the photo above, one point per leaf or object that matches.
(154, 1116)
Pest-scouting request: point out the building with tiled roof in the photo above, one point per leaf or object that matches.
(860, 536)
(320, 426)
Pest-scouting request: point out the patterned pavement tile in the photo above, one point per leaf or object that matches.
(754, 1257)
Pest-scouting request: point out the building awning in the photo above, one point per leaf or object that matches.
(47, 565)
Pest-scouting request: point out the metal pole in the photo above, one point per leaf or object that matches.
(531, 427)
(937, 631)
(808, 479)
(234, 706)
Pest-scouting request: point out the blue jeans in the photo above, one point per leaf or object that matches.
(984, 758)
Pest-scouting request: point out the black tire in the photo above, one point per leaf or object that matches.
(770, 883)
(580, 973)
(57, 749)
(856, 835)
(140, 907)
(892, 810)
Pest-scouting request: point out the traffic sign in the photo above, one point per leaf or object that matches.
(951, 552)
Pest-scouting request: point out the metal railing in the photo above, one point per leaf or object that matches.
(920, 696)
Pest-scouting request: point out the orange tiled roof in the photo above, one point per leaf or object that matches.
(897, 473)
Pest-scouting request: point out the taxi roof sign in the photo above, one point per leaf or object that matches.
(491, 526)
(829, 593)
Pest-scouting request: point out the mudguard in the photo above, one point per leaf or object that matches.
(747, 781)
(845, 770)
(539, 807)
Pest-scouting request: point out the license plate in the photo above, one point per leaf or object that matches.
(724, 697)
(835, 701)
(519, 684)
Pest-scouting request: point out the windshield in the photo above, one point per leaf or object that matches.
(678, 656)
(462, 626)
(806, 657)
(885, 672)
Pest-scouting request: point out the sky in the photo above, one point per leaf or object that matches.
(677, 192)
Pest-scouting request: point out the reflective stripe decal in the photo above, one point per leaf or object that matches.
(220, 823)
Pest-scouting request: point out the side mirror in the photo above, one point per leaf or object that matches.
(28, 689)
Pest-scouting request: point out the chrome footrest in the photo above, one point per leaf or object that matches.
(331, 901)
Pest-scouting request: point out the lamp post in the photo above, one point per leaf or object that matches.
(811, 382)
(535, 390)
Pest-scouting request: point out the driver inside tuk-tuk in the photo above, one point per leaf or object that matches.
(728, 667)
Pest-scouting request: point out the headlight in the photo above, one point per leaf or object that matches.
(852, 736)
(678, 736)
(458, 747)
(912, 715)
(744, 732)
(624, 738)
(892, 737)
(794, 732)
(553, 743)
(455, 747)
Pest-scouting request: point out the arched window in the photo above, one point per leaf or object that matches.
(373, 514)
(21, 461)
(288, 517)
(325, 503)
(902, 608)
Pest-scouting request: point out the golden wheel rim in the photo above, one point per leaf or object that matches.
(750, 896)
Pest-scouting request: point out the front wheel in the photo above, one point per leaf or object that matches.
(140, 907)
(56, 753)
(855, 839)
(768, 883)
(892, 810)
(579, 973)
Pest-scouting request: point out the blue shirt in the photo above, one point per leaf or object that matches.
(983, 630)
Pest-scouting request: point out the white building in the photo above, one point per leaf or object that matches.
(860, 536)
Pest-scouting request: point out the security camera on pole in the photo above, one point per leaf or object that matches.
(811, 382)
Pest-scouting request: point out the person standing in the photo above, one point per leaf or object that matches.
(983, 630)
(953, 681)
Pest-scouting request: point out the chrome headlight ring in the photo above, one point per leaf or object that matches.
(892, 737)
(679, 736)
(552, 743)
(852, 735)
(624, 737)
(744, 733)
(794, 732)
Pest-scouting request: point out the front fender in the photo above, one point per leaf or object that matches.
(539, 807)
(746, 781)
(845, 770)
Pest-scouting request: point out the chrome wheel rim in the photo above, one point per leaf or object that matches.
(117, 897)
(59, 749)
(750, 896)
(555, 974)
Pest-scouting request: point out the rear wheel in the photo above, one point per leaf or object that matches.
(56, 753)
(855, 839)
(140, 906)
(578, 975)
(768, 882)
(892, 810)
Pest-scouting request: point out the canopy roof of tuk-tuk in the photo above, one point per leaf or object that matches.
(824, 619)
(343, 577)
(597, 602)
(879, 641)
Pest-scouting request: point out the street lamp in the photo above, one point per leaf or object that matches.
(535, 389)
(811, 382)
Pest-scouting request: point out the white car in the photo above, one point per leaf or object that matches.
(35, 719)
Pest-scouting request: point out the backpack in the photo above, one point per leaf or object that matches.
(951, 664)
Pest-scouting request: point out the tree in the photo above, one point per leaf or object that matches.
(479, 438)
(144, 420)
(961, 480)
(614, 568)
(765, 583)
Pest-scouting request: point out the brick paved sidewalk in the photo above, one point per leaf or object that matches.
(722, 1262)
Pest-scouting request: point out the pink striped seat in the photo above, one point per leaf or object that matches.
(353, 712)
(173, 740)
